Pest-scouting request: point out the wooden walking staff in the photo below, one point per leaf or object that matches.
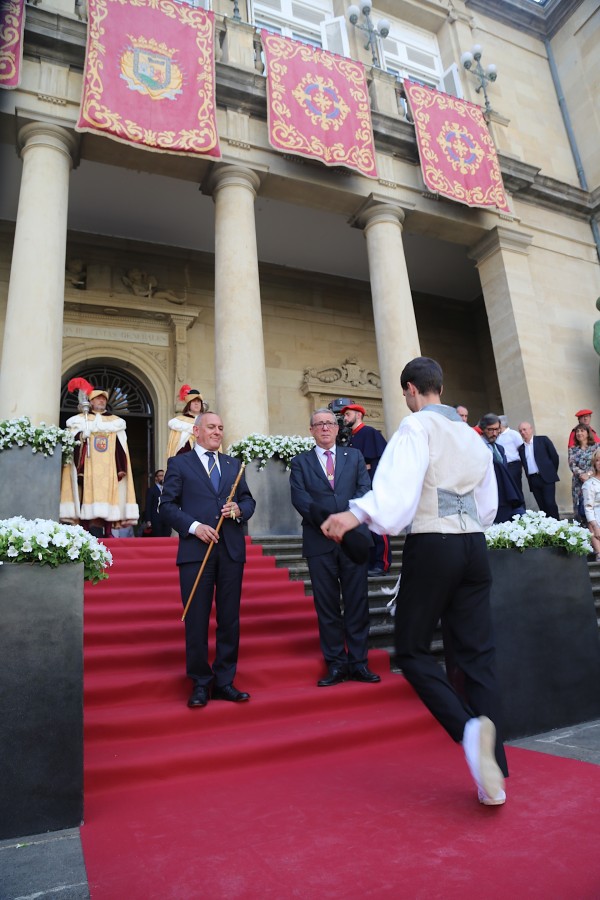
(212, 543)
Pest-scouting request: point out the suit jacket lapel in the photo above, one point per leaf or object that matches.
(315, 464)
(198, 468)
(340, 461)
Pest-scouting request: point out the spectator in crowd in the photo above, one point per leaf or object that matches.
(371, 444)
(510, 498)
(540, 462)
(580, 464)
(159, 528)
(591, 502)
(463, 412)
(584, 417)
(511, 440)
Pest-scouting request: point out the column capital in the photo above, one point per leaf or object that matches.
(45, 134)
(500, 238)
(376, 210)
(230, 176)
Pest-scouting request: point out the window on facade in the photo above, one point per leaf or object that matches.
(310, 21)
(410, 52)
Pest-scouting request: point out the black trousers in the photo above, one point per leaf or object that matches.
(447, 577)
(343, 636)
(222, 578)
(516, 468)
(545, 494)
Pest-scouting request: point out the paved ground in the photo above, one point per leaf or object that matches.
(51, 867)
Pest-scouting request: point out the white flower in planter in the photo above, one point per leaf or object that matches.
(536, 529)
(41, 438)
(50, 543)
(262, 447)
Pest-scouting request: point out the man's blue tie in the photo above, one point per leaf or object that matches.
(213, 471)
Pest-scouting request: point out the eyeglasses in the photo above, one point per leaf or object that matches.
(324, 425)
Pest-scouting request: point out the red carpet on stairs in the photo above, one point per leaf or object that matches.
(304, 792)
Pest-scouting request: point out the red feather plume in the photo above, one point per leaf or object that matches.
(80, 384)
(184, 390)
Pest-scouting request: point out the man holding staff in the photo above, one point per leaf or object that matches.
(199, 503)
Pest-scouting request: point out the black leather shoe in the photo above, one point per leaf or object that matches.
(229, 692)
(362, 673)
(336, 676)
(376, 572)
(199, 696)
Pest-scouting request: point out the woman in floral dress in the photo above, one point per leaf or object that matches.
(580, 464)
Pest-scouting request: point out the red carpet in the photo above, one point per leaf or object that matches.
(303, 792)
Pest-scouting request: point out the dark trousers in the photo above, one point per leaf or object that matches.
(344, 636)
(516, 468)
(222, 577)
(447, 576)
(545, 494)
(160, 528)
(380, 554)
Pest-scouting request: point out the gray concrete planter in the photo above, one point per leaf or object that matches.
(30, 483)
(548, 649)
(274, 513)
(41, 698)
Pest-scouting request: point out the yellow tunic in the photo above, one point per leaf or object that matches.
(102, 495)
(180, 433)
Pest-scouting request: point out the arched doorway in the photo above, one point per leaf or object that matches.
(128, 398)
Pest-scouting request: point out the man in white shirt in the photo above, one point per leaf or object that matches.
(540, 461)
(437, 476)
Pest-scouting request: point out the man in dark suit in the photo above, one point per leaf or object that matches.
(510, 497)
(159, 528)
(323, 481)
(194, 497)
(540, 462)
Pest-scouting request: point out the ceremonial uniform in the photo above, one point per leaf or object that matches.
(181, 426)
(90, 487)
(371, 444)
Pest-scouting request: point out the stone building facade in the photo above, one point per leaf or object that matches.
(274, 284)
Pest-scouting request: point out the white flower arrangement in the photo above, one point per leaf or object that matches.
(41, 438)
(264, 447)
(46, 542)
(536, 529)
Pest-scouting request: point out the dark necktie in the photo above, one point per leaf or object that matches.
(329, 468)
(213, 470)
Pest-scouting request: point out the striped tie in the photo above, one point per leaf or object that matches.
(329, 468)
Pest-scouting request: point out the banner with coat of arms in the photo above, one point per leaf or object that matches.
(149, 75)
(458, 157)
(318, 105)
(12, 22)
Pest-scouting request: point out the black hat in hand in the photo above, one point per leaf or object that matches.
(355, 544)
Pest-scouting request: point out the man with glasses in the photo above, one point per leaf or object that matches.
(510, 497)
(323, 481)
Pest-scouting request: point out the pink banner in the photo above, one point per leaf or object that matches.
(458, 157)
(12, 23)
(318, 105)
(149, 75)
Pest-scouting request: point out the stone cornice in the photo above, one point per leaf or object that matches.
(62, 40)
(539, 21)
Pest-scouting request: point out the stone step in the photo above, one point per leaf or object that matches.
(288, 554)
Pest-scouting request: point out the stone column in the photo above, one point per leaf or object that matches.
(517, 324)
(240, 371)
(32, 351)
(393, 311)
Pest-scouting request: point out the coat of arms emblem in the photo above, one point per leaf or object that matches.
(148, 67)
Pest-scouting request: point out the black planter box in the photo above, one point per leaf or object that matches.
(41, 698)
(548, 647)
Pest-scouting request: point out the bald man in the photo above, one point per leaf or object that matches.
(540, 464)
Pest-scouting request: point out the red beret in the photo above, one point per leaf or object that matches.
(583, 412)
(355, 406)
